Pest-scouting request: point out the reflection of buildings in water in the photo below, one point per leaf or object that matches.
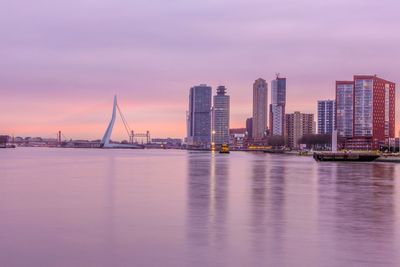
(109, 211)
(207, 183)
(198, 182)
(277, 202)
(357, 209)
(326, 174)
(219, 204)
(267, 208)
(258, 196)
(366, 195)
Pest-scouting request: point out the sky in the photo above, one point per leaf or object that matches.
(62, 61)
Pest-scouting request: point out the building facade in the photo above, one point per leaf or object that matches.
(277, 106)
(344, 116)
(297, 125)
(326, 116)
(237, 137)
(372, 101)
(199, 116)
(220, 122)
(260, 109)
(249, 128)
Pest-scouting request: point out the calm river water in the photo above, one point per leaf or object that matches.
(77, 207)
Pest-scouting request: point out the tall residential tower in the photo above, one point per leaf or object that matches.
(326, 116)
(199, 116)
(277, 106)
(365, 111)
(220, 133)
(344, 108)
(297, 125)
(260, 108)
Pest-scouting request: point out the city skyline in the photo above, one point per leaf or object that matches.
(119, 132)
(60, 71)
(199, 133)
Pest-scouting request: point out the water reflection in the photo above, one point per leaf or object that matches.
(277, 210)
(182, 208)
(109, 207)
(207, 202)
(258, 198)
(357, 212)
(267, 203)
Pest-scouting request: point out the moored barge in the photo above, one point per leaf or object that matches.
(345, 156)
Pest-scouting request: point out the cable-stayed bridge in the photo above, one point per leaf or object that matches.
(62, 141)
(105, 141)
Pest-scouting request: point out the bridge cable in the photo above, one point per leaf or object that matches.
(127, 128)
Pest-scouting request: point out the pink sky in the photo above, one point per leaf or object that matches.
(62, 61)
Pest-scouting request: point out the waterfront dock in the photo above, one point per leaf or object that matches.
(392, 159)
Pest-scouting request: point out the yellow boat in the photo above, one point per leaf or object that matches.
(224, 149)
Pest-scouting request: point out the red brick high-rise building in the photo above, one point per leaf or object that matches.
(370, 113)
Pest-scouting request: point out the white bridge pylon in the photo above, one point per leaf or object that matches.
(105, 141)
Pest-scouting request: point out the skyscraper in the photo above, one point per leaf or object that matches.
(344, 108)
(199, 116)
(297, 125)
(277, 106)
(367, 107)
(260, 108)
(374, 109)
(326, 116)
(221, 117)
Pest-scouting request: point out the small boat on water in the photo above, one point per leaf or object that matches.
(345, 156)
(224, 149)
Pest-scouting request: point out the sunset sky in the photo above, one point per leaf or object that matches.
(61, 61)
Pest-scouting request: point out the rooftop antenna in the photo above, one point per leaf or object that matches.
(277, 75)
